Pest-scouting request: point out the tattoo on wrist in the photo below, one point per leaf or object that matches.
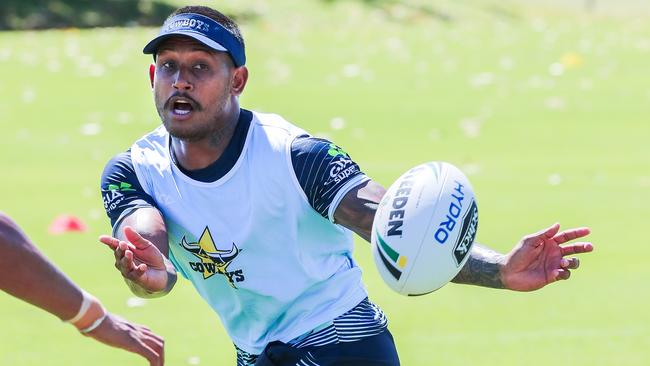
(483, 268)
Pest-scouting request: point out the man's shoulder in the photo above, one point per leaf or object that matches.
(276, 124)
(152, 149)
(158, 136)
(119, 162)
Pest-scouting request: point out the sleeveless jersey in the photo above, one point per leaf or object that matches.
(251, 244)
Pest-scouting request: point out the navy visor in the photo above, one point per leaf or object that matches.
(202, 29)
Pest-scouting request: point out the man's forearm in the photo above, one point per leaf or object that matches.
(483, 268)
(28, 275)
(148, 222)
(357, 209)
(356, 212)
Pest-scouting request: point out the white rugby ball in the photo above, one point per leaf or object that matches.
(424, 228)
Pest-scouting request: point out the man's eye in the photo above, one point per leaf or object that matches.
(167, 65)
(201, 67)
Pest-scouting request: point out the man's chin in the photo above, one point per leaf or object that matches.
(185, 133)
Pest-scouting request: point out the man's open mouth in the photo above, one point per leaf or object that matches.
(182, 107)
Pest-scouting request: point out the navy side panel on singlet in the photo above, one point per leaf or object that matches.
(121, 190)
(322, 169)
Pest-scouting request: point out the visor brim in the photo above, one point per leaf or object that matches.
(152, 47)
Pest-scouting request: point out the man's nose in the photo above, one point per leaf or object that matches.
(182, 82)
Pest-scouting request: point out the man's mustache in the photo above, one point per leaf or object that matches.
(195, 105)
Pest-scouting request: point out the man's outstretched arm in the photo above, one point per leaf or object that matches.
(139, 241)
(483, 268)
(28, 275)
(140, 248)
(537, 260)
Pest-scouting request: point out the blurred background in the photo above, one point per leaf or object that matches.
(545, 105)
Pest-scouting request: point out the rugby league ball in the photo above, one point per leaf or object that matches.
(424, 228)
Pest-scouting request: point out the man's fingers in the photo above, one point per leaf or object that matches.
(144, 350)
(110, 241)
(551, 230)
(118, 332)
(538, 238)
(125, 264)
(576, 248)
(571, 234)
(157, 345)
(154, 343)
(123, 247)
(570, 263)
(129, 269)
(129, 256)
(135, 238)
(152, 349)
(155, 338)
(120, 250)
(562, 274)
(134, 275)
(153, 335)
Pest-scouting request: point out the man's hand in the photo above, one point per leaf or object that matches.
(139, 261)
(117, 332)
(539, 259)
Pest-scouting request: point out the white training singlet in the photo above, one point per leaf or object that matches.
(270, 265)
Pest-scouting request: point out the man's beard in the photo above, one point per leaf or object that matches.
(212, 129)
(194, 131)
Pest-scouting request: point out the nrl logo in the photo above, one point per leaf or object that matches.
(213, 260)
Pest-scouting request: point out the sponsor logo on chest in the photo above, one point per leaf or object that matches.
(213, 260)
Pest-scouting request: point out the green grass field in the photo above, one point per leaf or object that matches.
(546, 109)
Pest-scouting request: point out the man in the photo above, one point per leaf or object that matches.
(28, 275)
(258, 214)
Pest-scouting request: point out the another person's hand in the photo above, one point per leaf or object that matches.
(138, 260)
(539, 259)
(117, 332)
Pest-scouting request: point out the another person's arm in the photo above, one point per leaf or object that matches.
(28, 275)
(537, 260)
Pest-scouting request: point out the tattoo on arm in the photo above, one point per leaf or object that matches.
(356, 212)
(482, 268)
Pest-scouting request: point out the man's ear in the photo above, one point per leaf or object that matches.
(152, 73)
(239, 79)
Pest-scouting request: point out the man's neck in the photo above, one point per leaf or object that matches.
(199, 154)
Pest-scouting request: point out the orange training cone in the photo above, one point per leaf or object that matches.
(66, 223)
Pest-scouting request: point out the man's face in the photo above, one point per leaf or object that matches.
(192, 88)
